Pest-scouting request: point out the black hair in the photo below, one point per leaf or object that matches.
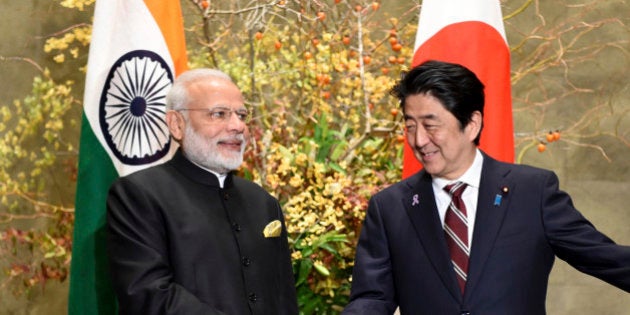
(456, 87)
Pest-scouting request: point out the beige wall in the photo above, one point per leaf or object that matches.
(592, 161)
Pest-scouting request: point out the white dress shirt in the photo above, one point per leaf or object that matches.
(471, 177)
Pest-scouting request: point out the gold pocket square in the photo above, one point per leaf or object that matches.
(273, 229)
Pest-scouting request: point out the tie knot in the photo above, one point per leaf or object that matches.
(455, 189)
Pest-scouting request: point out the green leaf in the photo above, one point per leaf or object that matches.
(306, 265)
(322, 269)
(337, 168)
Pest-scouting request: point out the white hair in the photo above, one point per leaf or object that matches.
(177, 97)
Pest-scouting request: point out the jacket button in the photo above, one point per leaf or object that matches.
(246, 261)
(236, 227)
(226, 196)
(252, 297)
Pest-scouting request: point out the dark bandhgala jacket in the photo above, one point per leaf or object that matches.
(523, 222)
(180, 244)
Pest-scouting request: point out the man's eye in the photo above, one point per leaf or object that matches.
(242, 115)
(218, 114)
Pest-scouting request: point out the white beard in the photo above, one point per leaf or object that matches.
(205, 152)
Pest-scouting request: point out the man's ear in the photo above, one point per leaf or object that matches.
(176, 124)
(474, 125)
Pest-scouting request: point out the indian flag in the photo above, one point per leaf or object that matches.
(470, 33)
(137, 49)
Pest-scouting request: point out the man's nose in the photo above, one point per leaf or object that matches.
(235, 123)
(420, 138)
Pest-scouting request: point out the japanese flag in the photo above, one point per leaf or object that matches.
(470, 33)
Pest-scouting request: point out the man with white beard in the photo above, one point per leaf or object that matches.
(190, 237)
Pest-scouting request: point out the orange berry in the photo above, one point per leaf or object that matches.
(322, 78)
(394, 112)
(550, 137)
(375, 6)
(384, 70)
(400, 60)
(204, 4)
(258, 35)
(308, 55)
(393, 41)
(556, 135)
(326, 95)
(358, 8)
(278, 45)
(397, 47)
(315, 41)
(337, 1)
(321, 15)
(326, 79)
(346, 40)
(392, 59)
(393, 32)
(367, 60)
(400, 138)
(541, 147)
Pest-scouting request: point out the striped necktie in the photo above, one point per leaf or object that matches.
(456, 231)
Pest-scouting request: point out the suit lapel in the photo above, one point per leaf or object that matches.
(492, 206)
(420, 206)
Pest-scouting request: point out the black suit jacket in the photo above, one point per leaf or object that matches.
(523, 221)
(180, 244)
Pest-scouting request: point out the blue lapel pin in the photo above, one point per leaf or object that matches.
(497, 200)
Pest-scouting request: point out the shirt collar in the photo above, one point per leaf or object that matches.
(220, 177)
(472, 176)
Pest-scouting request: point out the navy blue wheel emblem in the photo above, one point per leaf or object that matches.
(133, 106)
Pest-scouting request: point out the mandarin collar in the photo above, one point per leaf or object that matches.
(196, 173)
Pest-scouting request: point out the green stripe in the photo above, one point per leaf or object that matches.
(90, 287)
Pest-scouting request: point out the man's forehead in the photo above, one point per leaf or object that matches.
(219, 90)
(211, 84)
(422, 116)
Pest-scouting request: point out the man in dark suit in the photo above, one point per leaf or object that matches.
(433, 250)
(188, 236)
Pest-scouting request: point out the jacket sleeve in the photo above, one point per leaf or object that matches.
(575, 240)
(288, 296)
(137, 250)
(373, 289)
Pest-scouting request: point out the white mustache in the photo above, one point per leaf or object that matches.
(235, 138)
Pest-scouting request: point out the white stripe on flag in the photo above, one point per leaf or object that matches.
(436, 14)
(120, 26)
